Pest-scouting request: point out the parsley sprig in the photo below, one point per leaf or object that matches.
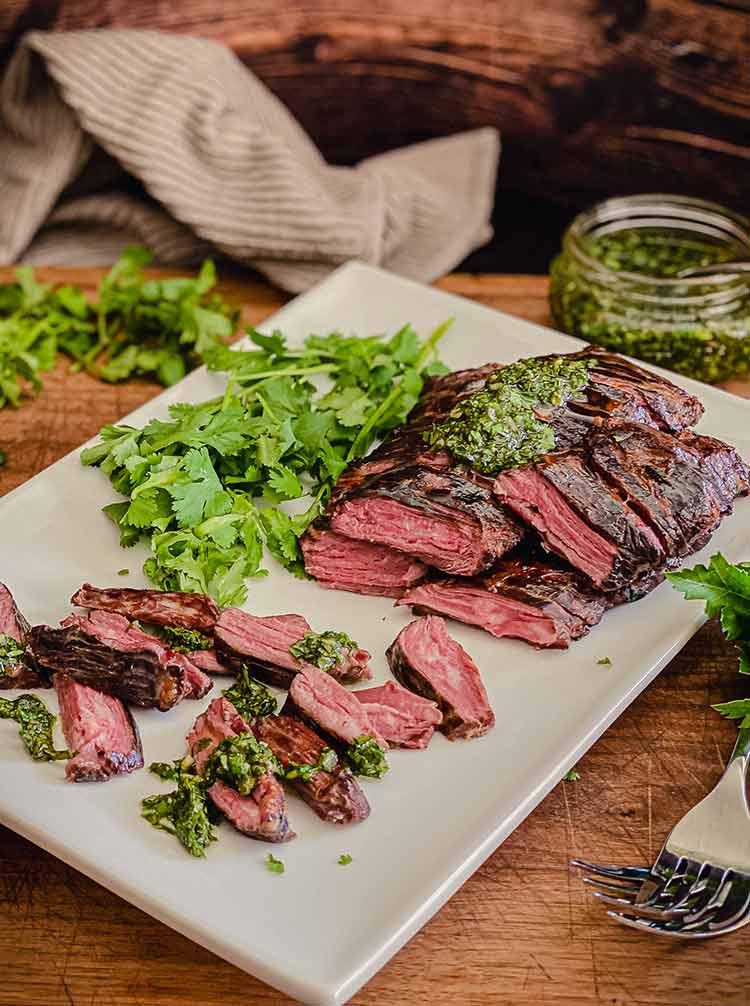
(725, 589)
(206, 487)
(135, 326)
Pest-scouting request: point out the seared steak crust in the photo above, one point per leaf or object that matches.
(136, 677)
(162, 607)
(335, 796)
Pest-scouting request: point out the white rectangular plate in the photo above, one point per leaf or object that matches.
(321, 930)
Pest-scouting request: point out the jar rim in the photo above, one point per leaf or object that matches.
(700, 216)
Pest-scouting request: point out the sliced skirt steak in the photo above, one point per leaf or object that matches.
(99, 729)
(424, 658)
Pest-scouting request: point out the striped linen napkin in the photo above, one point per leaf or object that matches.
(110, 137)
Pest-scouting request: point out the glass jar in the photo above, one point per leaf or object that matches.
(615, 283)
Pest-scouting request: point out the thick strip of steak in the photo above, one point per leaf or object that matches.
(424, 658)
(444, 518)
(117, 631)
(99, 729)
(262, 645)
(162, 607)
(680, 486)
(317, 697)
(522, 599)
(335, 796)
(581, 518)
(206, 660)
(400, 716)
(134, 676)
(342, 563)
(18, 673)
(263, 813)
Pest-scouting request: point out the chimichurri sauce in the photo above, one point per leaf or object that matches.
(498, 427)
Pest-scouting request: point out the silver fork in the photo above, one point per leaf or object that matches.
(699, 885)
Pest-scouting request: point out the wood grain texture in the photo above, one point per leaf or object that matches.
(521, 932)
(593, 97)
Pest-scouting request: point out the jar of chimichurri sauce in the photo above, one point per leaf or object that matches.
(615, 283)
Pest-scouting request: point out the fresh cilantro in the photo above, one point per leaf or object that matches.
(133, 327)
(725, 589)
(323, 649)
(344, 859)
(123, 572)
(207, 486)
(366, 757)
(604, 662)
(249, 697)
(739, 709)
(35, 723)
(274, 865)
(572, 776)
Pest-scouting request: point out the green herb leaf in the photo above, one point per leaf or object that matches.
(604, 662)
(725, 590)
(323, 650)
(11, 653)
(572, 776)
(191, 483)
(344, 859)
(185, 640)
(366, 757)
(249, 697)
(273, 864)
(305, 771)
(35, 723)
(240, 761)
(183, 813)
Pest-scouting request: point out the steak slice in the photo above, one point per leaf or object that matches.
(16, 672)
(262, 645)
(99, 729)
(132, 675)
(263, 813)
(162, 607)
(424, 658)
(579, 517)
(335, 796)
(116, 631)
(342, 563)
(682, 487)
(315, 696)
(401, 717)
(445, 518)
(522, 599)
(206, 660)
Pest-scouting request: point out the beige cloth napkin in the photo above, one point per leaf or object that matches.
(219, 163)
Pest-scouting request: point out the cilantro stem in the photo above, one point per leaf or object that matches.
(361, 439)
(264, 375)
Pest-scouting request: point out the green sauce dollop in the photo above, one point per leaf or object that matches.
(499, 427)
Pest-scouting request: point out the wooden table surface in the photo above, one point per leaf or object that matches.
(523, 930)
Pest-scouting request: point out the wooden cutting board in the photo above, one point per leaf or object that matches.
(521, 932)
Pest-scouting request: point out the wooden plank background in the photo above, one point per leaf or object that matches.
(521, 932)
(593, 97)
